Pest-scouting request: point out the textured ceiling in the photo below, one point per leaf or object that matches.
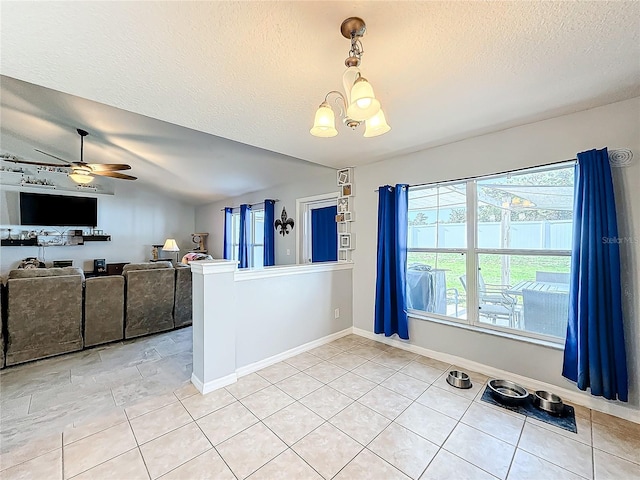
(254, 72)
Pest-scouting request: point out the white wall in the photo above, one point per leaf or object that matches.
(245, 320)
(135, 217)
(289, 310)
(615, 125)
(210, 218)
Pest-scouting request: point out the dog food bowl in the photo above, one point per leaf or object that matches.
(508, 393)
(549, 402)
(458, 379)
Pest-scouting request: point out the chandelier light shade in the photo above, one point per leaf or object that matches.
(325, 123)
(363, 101)
(358, 103)
(376, 125)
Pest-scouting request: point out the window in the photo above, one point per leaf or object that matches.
(494, 251)
(256, 249)
(235, 234)
(256, 236)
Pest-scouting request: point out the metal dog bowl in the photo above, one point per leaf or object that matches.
(549, 402)
(507, 392)
(458, 379)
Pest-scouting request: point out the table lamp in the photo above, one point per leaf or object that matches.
(170, 245)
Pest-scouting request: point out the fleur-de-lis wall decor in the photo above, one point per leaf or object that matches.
(283, 223)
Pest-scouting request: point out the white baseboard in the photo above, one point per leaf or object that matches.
(254, 367)
(208, 387)
(583, 399)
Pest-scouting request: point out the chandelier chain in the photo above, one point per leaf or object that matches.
(356, 48)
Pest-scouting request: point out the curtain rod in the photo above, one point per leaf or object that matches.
(462, 179)
(251, 204)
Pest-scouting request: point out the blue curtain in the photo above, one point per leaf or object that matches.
(594, 354)
(245, 235)
(391, 312)
(269, 233)
(324, 234)
(228, 216)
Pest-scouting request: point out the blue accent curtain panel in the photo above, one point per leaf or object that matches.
(269, 234)
(324, 234)
(391, 275)
(594, 355)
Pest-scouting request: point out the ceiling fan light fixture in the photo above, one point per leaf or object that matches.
(81, 178)
(81, 175)
(357, 103)
(376, 125)
(325, 122)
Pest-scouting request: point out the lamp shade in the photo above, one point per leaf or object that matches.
(170, 245)
(325, 122)
(363, 101)
(376, 125)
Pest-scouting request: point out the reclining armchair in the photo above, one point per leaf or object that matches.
(149, 295)
(44, 313)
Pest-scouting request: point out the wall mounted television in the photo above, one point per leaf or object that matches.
(58, 210)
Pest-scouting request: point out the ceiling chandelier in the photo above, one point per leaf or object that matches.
(358, 104)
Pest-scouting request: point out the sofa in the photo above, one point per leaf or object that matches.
(149, 298)
(49, 311)
(44, 313)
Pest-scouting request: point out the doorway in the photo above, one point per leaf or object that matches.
(318, 235)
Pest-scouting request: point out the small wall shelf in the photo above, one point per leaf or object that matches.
(29, 242)
(344, 214)
(97, 238)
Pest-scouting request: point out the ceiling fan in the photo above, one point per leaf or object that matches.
(81, 172)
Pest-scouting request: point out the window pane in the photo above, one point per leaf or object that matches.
(438, 217)
(433, 283)
(525, 292)
(527, 210)
(258, 226)
(258, 256)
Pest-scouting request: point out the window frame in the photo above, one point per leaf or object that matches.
(472, 253)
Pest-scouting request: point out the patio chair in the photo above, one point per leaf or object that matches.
(493, 302)
(546, 312)
(553, 277)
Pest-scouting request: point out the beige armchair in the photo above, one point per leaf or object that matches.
(182, 309)
(103, 310)
(149, 295)
(44, 313)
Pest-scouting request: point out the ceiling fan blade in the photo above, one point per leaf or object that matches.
(107, 167)
(53, 156)
(115, 175)
(26, 162)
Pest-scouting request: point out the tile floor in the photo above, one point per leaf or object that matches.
(351, 409)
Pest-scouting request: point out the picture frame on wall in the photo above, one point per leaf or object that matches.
(345, 240)
(346, 190)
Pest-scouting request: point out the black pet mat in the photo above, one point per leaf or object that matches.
(566, 420)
